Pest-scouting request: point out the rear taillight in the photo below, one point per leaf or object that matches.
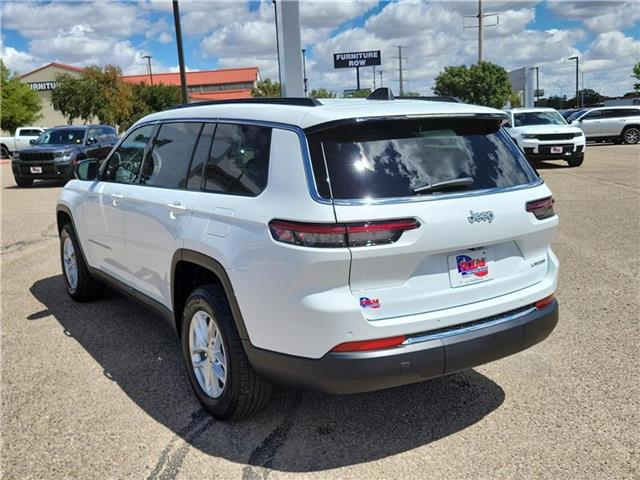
(542, 208)
(336, 235)
(544, 302)
(367, 345)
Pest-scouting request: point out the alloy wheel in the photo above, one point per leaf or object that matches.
(208, 354)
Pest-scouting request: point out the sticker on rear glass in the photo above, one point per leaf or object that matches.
(366, 302)
(468, 266)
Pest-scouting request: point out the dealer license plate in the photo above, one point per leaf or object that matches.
(35, 169)
(471, 266)
(556, 149)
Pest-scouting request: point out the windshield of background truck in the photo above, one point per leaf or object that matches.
(522, 119)
(61, 137)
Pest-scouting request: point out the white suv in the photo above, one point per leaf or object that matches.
(618, 124)
(543, 134)
(347, 246)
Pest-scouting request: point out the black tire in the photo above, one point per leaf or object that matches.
(87, 287)
(630, 135)
(23, 182)
(244, 391)
(576, 162)
(4, 152)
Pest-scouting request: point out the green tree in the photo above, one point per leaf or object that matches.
(322, 93)
(19, 105)
(114, 100)
(636, 75)
(515, 100)
(148, 99)
(362, 93)
(482, 84)
(553, 102)
(74, 98)
(266, 88)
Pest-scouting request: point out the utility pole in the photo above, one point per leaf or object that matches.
(480, 26)
(275, 15)
(400, 69)
(149, 57)
(537, 86)
(374, 77)
(577, 74)
(304, 70)
(381, 85)
(183, 76)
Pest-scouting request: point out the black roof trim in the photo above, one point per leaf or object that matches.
(295, 101)
(446, 99)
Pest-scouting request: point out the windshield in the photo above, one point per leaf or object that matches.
(537, 118)
(386, 159)
(575, 115)
(61, 137)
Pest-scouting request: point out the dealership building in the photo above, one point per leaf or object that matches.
(202, 85)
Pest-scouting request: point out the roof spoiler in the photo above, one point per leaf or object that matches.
(295, 101)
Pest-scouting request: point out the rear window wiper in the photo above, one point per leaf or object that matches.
(443, 185)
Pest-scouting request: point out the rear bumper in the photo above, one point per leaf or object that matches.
(433, 355)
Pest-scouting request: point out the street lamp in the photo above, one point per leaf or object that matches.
(304, 70)
(275, 14)
(577, 73)
(149, 57)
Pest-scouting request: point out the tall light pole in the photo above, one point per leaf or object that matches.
(275, 15)
(537, 85)
(149, 57)
(480, 34)
(381, 85)
(183, 76)
(577, 73)
(304, 70)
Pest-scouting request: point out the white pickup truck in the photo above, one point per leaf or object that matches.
(21, 139)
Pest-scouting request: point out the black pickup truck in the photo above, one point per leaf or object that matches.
(54, 154)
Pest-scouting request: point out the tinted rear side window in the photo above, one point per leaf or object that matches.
(393, 159)
(168, 162)
(239, 160)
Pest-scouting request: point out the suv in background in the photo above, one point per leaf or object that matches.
(347, 246)
(54, 154)
(543, 134)
(616, 124)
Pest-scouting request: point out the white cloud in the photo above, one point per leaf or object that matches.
(598, 16)
(16, 60)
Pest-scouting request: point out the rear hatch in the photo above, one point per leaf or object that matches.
(467, 186)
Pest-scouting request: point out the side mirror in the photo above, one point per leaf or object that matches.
(32, 141)
(86, 169)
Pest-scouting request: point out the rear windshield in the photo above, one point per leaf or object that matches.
(385, 159)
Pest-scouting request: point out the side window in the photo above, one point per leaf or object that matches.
(596, 114)
(200, 157)
(168, 161)
(92, 135)
(29, 133)
(239, 160)
(124, 164)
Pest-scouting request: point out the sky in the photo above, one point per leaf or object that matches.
(235, 33)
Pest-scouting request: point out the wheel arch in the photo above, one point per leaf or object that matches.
(200, 269)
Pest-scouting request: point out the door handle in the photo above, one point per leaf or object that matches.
(176, 206)
(115, 197)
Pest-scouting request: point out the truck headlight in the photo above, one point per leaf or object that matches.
(578, 134)
(63, 156)
(529, 136)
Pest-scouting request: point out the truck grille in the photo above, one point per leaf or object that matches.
(36, 156)
(555, 136)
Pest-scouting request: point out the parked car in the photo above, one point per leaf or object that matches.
(616, 124)
(543, 134)
(55, 152)
(348, 246)
(22, 138)
(570, 112)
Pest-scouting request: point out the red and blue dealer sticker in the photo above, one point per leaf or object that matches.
(366, 302)
(472, 266)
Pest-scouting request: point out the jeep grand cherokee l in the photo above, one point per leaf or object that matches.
(347, 246)
(53, 155)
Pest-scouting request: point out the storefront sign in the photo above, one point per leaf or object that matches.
(42, 86)
(356, 59)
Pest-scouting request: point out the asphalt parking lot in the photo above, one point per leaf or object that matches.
(99, 390)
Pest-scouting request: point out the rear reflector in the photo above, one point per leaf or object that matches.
(366, 345)
(544, 302)
(542, 208)
(336, 235)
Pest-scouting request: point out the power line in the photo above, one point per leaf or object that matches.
(480, 26)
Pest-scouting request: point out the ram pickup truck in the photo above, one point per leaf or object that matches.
(21, 139)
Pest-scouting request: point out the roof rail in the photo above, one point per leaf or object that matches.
(296, 101)
(382, 93)
(448, 99)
